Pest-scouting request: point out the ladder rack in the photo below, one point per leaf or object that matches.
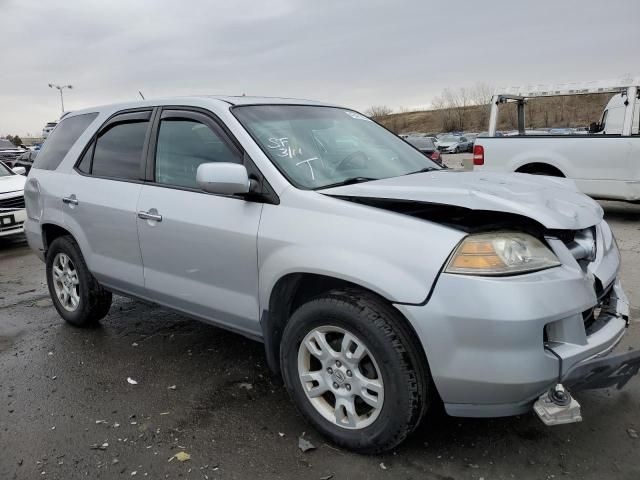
(578, 88)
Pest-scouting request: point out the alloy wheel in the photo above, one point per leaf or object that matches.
(340, 377)
(66, 283)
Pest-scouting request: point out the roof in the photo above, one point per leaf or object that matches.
(250, 100)
(189, 100)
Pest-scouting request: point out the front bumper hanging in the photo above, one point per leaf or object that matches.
(612, 370)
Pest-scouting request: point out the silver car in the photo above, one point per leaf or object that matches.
(379, 283)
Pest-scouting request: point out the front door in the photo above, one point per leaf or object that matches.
(199, 250)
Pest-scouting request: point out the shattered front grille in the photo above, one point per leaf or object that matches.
(581, 244)
(592, 316)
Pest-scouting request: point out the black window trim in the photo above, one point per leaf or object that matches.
(131, 114)
(266, 194)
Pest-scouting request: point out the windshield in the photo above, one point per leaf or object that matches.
(4, 170)
(6, 145)
(315, 147)
(449, 138)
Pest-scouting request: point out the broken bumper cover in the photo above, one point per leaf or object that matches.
(485, 337)
(604, 372)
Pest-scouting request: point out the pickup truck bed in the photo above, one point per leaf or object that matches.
(603, 166)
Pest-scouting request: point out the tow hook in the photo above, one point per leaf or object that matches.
(557, 407)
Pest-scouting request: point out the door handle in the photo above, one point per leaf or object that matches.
(150, 216)
(70, 200)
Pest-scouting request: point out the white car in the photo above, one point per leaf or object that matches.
(12, 211)
(603, 162)
(453, 144)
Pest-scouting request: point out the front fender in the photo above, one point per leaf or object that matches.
(376, 274)
(394, 255)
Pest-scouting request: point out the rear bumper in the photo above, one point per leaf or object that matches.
(485, 337)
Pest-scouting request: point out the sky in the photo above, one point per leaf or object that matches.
(355, 53)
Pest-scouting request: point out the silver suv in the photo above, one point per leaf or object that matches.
(380, 284)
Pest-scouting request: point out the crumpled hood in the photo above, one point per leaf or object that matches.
(556, 203)
(11, 183)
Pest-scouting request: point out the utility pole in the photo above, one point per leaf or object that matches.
(60, 88)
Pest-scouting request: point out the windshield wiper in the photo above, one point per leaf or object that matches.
(348, 181)
(425, 169)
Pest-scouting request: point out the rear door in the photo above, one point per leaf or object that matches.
(199, 250)
(100, 202)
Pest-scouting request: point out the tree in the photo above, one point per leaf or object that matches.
(378, 111)
(481, 94)
(16, 140)
(444, 113)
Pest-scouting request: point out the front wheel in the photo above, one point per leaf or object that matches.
(354, 370)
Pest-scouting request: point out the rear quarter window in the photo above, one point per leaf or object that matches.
(61, 140)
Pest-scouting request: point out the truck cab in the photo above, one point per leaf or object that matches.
(612, 119)
(604, 163)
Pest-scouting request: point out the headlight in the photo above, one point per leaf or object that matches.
(500, 253)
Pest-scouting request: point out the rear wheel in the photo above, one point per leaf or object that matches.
(76, 294)
(354, 371)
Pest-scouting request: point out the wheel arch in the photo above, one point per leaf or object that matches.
(293, 290)
(51, 231)
(539, 167)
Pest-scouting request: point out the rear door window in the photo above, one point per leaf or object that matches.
(61, 140)
(118, 150)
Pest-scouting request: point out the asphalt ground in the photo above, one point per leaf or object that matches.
(67, 410)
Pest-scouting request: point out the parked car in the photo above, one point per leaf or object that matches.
(26, 160)
(12, 211)
(9, 152)
(346, 259)
(434, 139)
(453, 144)
(427, 146)
(471, 138)
(603, 163)
(48, 128)
(560, 131)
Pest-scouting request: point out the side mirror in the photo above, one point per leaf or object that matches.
(223, 178)
(594, 127)
(19, 170)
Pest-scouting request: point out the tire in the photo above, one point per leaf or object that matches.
(88, 301)
(394, 364)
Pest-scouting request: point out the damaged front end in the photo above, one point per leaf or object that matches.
(557, 329)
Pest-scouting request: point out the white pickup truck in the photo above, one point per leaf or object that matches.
(605, 163)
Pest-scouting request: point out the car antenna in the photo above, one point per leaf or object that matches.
(141, 94)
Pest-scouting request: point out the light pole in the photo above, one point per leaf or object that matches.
(60, 88)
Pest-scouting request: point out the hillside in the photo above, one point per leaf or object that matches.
(552, 112)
